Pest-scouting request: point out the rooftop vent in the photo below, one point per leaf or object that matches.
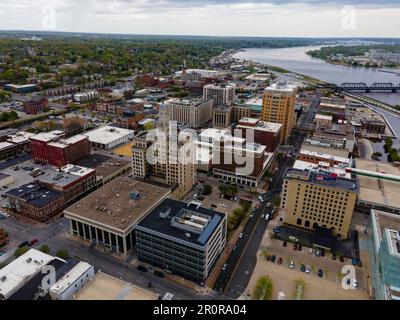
(135, 195)
(3, 278)
(28, 260)
(187, 235)
(164, 212)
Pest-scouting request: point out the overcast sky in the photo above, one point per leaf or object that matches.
(308, 18)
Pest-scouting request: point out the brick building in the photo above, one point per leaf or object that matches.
(35, 105)
(53, 148)
(265, 133)
(3, 237)
(52, 192)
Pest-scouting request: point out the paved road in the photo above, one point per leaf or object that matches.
(240, 265)
(52, 105)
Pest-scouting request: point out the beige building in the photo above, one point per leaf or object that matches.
(239, 112)
(193, 113)
(162, 161)
(222, 94)
(278, 106)
(222, 117)
(311, 199)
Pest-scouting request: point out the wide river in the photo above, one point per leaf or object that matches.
(296, 60)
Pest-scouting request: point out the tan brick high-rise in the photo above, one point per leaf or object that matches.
(278, 106)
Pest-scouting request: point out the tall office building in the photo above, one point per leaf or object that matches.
(166, 158)
(194, 113)
(311, 199)
(222, 94)
(278, 106)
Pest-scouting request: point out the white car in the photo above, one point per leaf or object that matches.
(241, 235)
(310, 251)
(355, 283)
(308, 269)
(291, 265)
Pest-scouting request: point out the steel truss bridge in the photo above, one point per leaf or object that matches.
(387, 87)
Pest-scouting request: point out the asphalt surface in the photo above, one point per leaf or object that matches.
(241, 263)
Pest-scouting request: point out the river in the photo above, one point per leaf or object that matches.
(296, 60)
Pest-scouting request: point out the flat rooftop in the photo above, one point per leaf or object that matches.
(378, 191)
(104, 165)
(325, 155)
(322, 179)
(20, 137)
(383, 221)
(6, 145)
(108, 134)
(70, 277)
(34, 194)
(188, 222)
(256, 124)
(48, 136)
(321, 149)
(106, 287)
(281, 87)
(14, 275)
(304, 165)
(65, 176)
(114, 205)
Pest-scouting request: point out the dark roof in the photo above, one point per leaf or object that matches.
(29, 290)
(35, 194)
(323, 237)
(154, 222)
(93, 160)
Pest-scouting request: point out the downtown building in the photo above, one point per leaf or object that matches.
(194, 113)
(182, 238)
(51, 192)
(108, 216)
(221, 94)
(55, 149)
(319, 198)
(265, 133)
(161, 159)
(279, 107)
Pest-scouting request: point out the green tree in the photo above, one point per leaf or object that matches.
(263, 289)
(20, 251)
(63, 254)
(45, 248)
(207, 190)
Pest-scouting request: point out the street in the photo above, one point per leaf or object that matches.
(241, 263)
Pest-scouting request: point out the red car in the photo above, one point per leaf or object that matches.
(279, 261)
(32, 242)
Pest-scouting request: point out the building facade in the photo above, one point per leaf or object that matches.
(184, 239)
(35, 105)
(54, 149)
(279, 102)
(312, 199)
(222, 117)
(265, 133)
(193, 113)
(221, 94)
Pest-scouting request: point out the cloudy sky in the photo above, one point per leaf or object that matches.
(308, 18)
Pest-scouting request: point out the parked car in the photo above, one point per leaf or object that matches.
(159, 274)
(334, 257)
(295, 247)
(273, 258)
(224, 267)
(355, 283)
(291, 265)
(308, 269)
(23, 244)
(234, 248)
(310, 251)
(284, 243)
(341, 258)
(303, 268)
(300, 247)
(32, 242)
(141, 268)
(241, 235)
(269, 257)
(320, 273)
(279, 261)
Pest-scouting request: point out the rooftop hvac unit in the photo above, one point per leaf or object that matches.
(187, 235)
(3, 278)
(28, 260)
(135, 195)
